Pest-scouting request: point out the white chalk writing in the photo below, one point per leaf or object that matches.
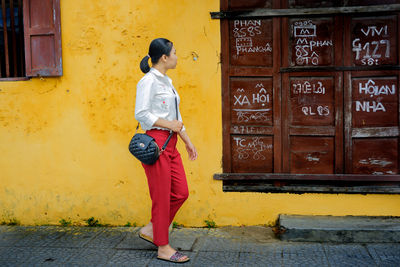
(259, 98)
(369, 106)
(243, 32)
(321, 111)
(304, 29)
(304, 33)
(257, 49)
(251, 149)
(373, 29)
(369, 88)
(308, 88)
(258, 115)
(372, 161)
(247, 130)
(372, 51)
(375, 91)
(311, 158)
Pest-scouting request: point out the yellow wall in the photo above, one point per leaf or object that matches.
(63, 141)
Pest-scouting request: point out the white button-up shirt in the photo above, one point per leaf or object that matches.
(155, 98)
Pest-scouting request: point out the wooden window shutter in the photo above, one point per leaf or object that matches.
(42, 30)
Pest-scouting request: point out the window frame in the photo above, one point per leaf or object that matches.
(280, 180)
(42, 41)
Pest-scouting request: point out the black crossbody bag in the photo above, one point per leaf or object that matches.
(145, 148)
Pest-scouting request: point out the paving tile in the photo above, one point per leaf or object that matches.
(196, 232)
(211, 243)
(184, 239)
(15, 256)
(132, 241)
(263, 248)
(131, 258)
(4, 228)
(40, 236)
(303, 254)
(183, 243)
(348, 255)
(10, 264)
(385, 254)
(12, 234)
(216, 259)
(259, 234)
(77, 237)
(91, 257)
(258, 259)
(109, 238)
(217, 232)
(46, 256)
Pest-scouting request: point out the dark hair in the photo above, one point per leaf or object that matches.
(158, 48)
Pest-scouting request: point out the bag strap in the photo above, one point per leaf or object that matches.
(171, 133)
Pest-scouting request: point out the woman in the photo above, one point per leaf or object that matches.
(156, 109)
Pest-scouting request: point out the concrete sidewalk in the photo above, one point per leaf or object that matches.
(225, 246)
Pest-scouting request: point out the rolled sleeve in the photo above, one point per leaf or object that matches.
(143, 104)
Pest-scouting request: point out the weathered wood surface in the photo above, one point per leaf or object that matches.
(337, 68)
(300, 189)
(311, 94)
(42, 30)
(263, 12)
(305, 177)
(378, 132)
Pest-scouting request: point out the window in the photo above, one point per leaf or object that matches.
(310, 99)
(30, 38)
(11, 39)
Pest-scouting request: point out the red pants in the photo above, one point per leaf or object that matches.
(167, 185)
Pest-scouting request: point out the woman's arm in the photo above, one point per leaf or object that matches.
(192, 152)
(175, 126)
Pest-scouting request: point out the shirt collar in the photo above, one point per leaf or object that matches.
(159, 74)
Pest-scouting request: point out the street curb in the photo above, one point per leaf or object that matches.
(339, 229)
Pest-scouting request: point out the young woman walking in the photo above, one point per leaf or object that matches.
(157, 111)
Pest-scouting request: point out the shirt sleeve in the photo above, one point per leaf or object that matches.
(143, 103)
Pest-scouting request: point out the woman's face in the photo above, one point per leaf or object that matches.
(172, 59)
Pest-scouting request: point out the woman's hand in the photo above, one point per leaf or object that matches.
(192, 152)
(176, 126)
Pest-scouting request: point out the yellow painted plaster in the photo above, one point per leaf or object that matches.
(63, 141)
